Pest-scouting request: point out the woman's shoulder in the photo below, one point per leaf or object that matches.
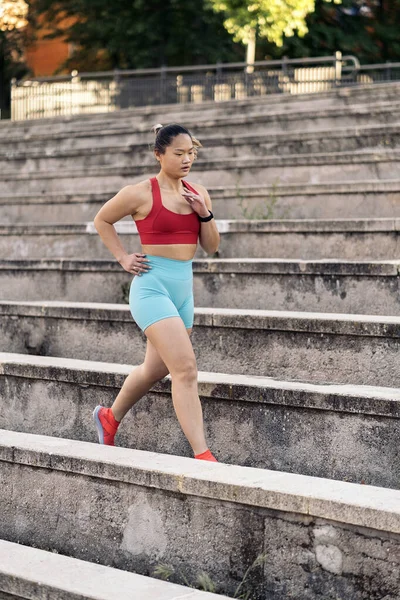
(197, 186)
(140, 186)
(138, 190)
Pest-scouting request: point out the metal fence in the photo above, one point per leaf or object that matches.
(81, 93)
(378, 73)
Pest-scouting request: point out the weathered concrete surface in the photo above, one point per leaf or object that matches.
(52, 208)
(321, 538)
(362, 239)
(301, 346)
(277, 112)
(38, 575)
(48, 156)
(329, 286)
(250, 421)
(300, 169)
(299, 551)
(352, 200)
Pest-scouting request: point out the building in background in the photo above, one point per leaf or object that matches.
(45, 57)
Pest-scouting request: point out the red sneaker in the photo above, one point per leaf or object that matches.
(106, 425)
(207, 455)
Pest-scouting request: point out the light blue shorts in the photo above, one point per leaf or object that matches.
(164, 291)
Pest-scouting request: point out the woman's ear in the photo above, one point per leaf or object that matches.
(157, 155)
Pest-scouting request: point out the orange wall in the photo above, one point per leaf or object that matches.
(45, 56)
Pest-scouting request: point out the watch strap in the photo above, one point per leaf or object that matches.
(205, 219)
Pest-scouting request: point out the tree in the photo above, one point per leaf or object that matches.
(12, 20)
(138, 33)
(366, 28)
(270, 19)
(12, 14)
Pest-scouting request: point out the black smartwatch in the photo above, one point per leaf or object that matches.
(205, 219)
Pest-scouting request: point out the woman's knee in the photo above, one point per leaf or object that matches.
(185, 371)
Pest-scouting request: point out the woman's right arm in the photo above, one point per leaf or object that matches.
(126, 202)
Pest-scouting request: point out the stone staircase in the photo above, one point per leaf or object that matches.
(297, 329)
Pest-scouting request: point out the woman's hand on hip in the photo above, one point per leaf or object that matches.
(136, 263)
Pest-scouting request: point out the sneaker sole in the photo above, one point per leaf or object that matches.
(99, 426)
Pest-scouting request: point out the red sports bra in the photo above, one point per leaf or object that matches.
(163, 226)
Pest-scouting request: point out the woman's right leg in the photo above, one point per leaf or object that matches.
(139, 382)
(136, 385)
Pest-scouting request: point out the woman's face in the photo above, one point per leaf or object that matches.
(178, 157)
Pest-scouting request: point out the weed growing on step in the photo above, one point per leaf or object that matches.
(125, 292)
(204, 581)
(262, 211)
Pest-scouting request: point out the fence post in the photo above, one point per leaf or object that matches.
(388, 71)
(118, 95)
(163, 79)
(338, 68)
(219, 72)
(13, 100)
(284, 65)
(74, 79)
(218, 80)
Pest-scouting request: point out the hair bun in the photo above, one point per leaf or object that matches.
(156, 128)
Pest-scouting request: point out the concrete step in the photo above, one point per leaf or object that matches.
(344, 96)
(300, 346)
(355, 429)
(49, 156)
(360, 240)
(293, 169)
(32, 574)
(345, 106)
(331, 286)
(351, 200)
(59, 494)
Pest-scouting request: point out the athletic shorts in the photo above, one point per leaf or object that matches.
(166, 290)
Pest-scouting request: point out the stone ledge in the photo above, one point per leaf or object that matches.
(227, 192)
(229, 164)
(298, 136)
(210, 118)
(347, 94)
(356, 399)
(310, 322)
(273, 266)
(311, 226)
(32, 574)
(360, 505)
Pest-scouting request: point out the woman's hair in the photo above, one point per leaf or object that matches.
(166, 133)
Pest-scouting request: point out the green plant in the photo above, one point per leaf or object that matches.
(264, 210)
(259, 561)
(125, 292)
(204, 581)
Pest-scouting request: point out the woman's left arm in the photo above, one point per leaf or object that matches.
(201, 203)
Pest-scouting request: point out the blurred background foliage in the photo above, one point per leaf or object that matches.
(129, 34)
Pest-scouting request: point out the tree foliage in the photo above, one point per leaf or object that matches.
(369, 29)
(12, 37)
(272, 19)
(137, 34)
(12, 14)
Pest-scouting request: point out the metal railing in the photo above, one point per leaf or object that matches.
(377, 73)
(81, 93)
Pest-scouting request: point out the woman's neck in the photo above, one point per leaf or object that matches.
(169, 183)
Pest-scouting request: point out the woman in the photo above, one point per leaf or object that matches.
(171, 216)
